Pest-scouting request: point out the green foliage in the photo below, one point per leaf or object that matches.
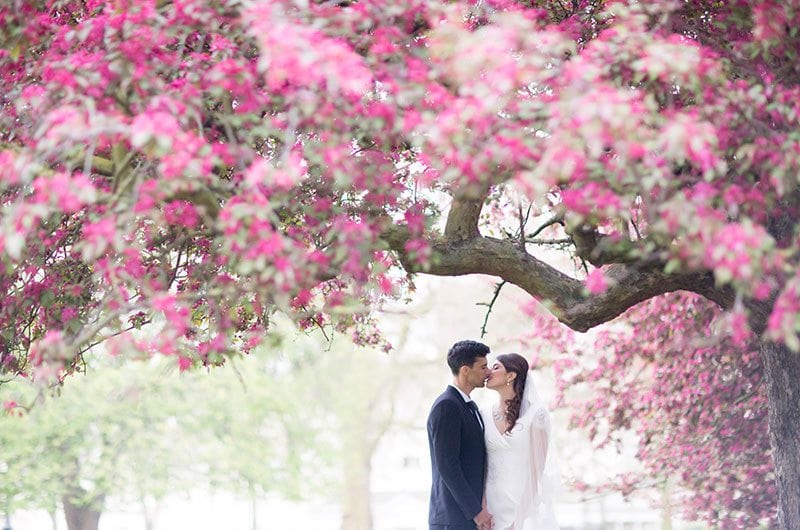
(140, 431)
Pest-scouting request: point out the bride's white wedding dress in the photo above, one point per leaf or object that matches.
(521, 480)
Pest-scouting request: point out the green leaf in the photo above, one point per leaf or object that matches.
(47, 298)
(672, 266)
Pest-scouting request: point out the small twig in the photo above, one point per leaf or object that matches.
(227, 105)
(523, 220)
(555, 220)
(365, 148)
(490, 305)
(564, 9)
(636, 229)
(115, 334)
(178, 263)
(562, 241)
(98, 326)
(239, 376)
(319, 325)
(747, 396)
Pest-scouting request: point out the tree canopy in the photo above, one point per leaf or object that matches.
(202, 164)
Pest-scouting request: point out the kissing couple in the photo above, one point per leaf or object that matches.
(492, 467)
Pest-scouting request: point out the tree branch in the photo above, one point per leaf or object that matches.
(556, 219)
(602, 249)
(564, 296)
(102, 166)
(561, 241)
(462, 221)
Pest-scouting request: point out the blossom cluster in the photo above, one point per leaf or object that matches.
(695, 403)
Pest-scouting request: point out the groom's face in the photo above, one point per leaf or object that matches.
(478, 372)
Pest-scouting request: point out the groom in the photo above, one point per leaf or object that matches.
(458, 450)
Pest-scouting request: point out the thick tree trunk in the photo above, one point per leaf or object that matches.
(356, 510)
(82, 517)
(782, 376)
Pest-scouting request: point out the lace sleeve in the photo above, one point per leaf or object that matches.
(541, 420)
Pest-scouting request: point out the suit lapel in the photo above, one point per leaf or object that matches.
(472, 414)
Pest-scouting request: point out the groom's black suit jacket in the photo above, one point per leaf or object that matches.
(458, 462)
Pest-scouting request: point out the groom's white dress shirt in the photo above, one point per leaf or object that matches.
(466, 397)
(467, 400)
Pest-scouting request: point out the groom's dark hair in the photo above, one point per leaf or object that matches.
(464, 353)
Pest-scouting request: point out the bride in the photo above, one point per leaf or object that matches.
(521, 477)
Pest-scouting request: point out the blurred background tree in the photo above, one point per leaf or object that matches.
(141, 431)
(108, 435)
(300, 417)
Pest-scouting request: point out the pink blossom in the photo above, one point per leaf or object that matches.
(770, 20)
(9, 175)
(303, 298)
(69, 193)
(740, 329)
(385, 283)
(14, 409)
(282, 264)
(418, 250)
(591, 198)
(295, 54)
(68, 313)
(181, 213)
(686, 137)
(415, 220)
(98, 236)
(157, 127)
(596, 282)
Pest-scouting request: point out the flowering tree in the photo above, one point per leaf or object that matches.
(695, 402)
(205, 163)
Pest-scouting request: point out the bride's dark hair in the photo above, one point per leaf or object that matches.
(516, 363)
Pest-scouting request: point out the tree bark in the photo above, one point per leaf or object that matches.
(629, 284)
(782, 376)
(82, 517)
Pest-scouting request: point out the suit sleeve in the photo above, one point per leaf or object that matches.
(445, 426)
